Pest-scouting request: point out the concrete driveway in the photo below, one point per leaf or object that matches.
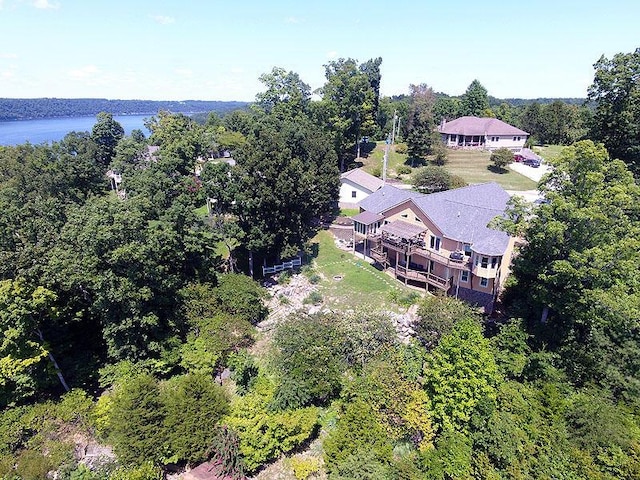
(533, 173)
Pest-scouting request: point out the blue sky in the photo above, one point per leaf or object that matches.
(216, 50)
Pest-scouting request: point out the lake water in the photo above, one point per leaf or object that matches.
(48, 130)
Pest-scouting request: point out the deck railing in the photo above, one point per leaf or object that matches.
(296, 262)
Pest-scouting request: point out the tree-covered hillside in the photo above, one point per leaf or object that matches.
(136, 341)
(30, 108)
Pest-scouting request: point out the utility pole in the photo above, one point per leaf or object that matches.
(393, 128)
(385, 159)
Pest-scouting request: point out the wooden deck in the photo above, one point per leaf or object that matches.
(424, 277)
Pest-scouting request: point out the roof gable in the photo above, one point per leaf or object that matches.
(479, 126)
(461, 214)
(385, 198)
(359, 177)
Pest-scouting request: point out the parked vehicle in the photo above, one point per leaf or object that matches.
(532, 162)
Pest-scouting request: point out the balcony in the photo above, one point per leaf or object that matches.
(485, 272)
(452, 260)
(425, 277)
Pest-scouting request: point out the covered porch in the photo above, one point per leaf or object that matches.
(393, 248)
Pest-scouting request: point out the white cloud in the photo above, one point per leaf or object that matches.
(184, 72)
(46, 4)
(293, 20)
(8, 74)
(8, 56)
(87, 71)
(163, 19)
(332, 54)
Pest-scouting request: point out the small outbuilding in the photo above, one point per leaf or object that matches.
(356, 185)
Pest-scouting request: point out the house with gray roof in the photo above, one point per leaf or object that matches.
(482, 133)
(356, 185)
(440, 241)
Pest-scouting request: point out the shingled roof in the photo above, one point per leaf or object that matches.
(362, 178)
(479, 126)
(385, 198)
(461, 214)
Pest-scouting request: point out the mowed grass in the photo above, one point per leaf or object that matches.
(548, 152)
(471, 165)
(360, 283)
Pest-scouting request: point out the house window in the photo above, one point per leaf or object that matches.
(484, 282)
(435, 243)
(467, 250)
(452, 138)
(418, 220)
(464, 276)
(518, 138)
(494, 262)
(485, 262)
(405, 215)
(353, 194)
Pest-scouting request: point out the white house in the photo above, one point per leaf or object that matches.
(356, 185)
(482, 133)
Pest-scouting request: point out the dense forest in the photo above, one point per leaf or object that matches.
(136, 342)
(32, 108)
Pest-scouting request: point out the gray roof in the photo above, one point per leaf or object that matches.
(461, 214)
(527, 153)
(367, 218)
(402, 229)
(479, 126)
(362, 178)
(385, 198)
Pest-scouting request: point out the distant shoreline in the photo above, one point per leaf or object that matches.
(16, 109)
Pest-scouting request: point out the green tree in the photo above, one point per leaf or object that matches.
(578, 268)
(531, 121)
(350, 101)
(106, 133)
(23, 311)
(357, 432)
(501, 158)
(136, 420)
(459, 374)
(308, 361)
(420, 122)
(437, 317)
(286, 96)
(287, 179)
(475, 100)
(264, 435)
(433, 178)
(193, 405)
(616, 93)
(446, 108)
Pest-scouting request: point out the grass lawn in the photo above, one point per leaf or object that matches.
(361, 283)
(349, 212)
(472, 166)
(548, 152)
(468, 164)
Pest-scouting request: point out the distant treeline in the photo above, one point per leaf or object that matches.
(31, 108)
(516, 102)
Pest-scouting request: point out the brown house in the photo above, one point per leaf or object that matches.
(439, 241)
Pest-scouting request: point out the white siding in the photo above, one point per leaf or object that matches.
(346, 192)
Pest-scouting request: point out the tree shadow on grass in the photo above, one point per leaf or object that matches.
(416, 162)
(498, 170)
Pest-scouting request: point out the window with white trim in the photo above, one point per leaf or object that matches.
(464, 276)
(494, 262)
(434, 243)
(484, 282)
(354, 193)
(484, 263)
